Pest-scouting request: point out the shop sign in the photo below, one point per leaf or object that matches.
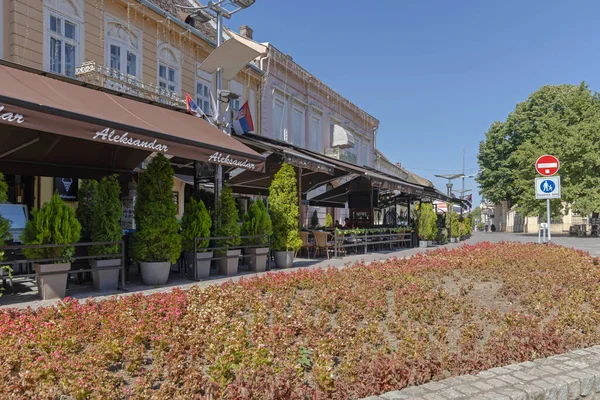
(67, 188)
(226, 159)
(11, 117)
(111, 136)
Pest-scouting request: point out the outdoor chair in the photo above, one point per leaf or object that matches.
(324, 241)
(306, 243)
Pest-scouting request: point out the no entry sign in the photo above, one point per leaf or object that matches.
(547, 165)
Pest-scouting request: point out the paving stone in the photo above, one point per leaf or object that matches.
(433, 396)
(533, 392)
(513, 394)
(580, 352)
(550, 391)
(495, 382)
(573, 385)
(395, 395)
(509, 379)
(562, 389)
(586, 382)
(495, 396)
(551, 370)
(523, 376)
(452, 394)
(434, 386)
(527, 364)
(414, 392)
(482, 386)
(501, 370)
(595, 349)
(467, 389)
(514, 367)
(486, 374)
(577, 364)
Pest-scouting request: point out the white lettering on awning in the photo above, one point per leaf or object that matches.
(226, 159)
(111, 136)
(11, 117)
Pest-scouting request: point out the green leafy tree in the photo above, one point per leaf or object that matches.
(196, 223)
(328, 221)
(228, 220)
(85, 206)
(283, 207)
(562, 120)
(314, 222)
(54, 223)
(156, 237)
(427, 222)
(107, 212)
(257, 222)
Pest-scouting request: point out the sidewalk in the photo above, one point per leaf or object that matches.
(21, 300)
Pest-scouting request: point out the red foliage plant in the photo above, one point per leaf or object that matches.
(317, 334)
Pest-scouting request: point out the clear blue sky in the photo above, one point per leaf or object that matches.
(435, 73)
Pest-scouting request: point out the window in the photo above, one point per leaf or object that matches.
(298, 132)
(169, 68)
(279, 120)
(203, 97)
(63, 42)
(63, 46)
(315, 133)
(237, 88)
(123, 47)
(167, 77)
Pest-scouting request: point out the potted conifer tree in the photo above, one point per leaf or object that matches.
(328, 221)
(257, 223)
(228, 226)
(283, 208)
(455, 228)
(426, 224)
(157, 241)
(196, 224)
(106, 227)
(54, 223)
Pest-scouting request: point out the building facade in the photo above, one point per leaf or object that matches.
(131, 46)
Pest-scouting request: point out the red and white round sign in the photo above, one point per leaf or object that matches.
(547, 165)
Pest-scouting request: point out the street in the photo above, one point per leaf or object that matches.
(589, 244)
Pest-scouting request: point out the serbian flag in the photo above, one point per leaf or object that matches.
(243, 120)
(192, 107)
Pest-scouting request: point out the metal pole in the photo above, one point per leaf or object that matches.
(219, 83)
(462, 193)
(548, 211)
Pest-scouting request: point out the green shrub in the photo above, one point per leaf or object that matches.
(283, 207)
(427, 222)
(480, 226)
(314, 221)
(54, 223)
(257, 222)
(493, 228)
(107, 212)
(196, 223)
(328, 221)
(455, 229)
(85, 206)
(227, 220)
(156, 237)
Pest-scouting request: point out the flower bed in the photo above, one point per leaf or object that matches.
(330, 333)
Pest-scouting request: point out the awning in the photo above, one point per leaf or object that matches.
(342, 138)
(62, 116)
(232, 55)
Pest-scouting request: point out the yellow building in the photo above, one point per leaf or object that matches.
(131, 46)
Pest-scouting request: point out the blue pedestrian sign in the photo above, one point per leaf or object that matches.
(547, 188)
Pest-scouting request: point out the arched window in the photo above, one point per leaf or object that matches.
(169, 68)
(123, 47)
(63, 36)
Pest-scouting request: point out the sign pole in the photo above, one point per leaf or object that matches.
(548, 212)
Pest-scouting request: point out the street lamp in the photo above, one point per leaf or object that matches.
(217, 10)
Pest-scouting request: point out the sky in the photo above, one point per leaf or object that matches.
(435, 73)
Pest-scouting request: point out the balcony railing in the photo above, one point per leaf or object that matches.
(341, 154)
(109, 78)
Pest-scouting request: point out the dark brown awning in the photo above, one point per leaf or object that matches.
(42, 104)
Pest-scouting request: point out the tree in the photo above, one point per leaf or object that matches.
(314, 221)
(85, 206)
(106, 216)
(562, 120)
(256, 223)
(328, 221)
(228, 220)
(196, 223)
(156, 238)
(283, 207)
(54, 223)
(427, 222)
